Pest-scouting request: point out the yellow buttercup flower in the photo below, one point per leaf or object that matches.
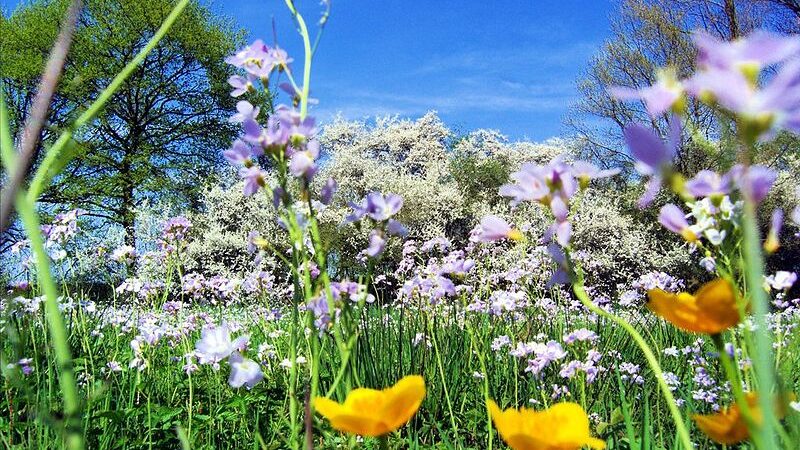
(729, 426)
(710, 310)
(370, 412)
(564, 426)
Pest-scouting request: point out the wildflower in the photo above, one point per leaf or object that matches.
(759, 49)
(327, 191)
(674, 220)
(215, 344)
(245, 110)
(782, 280)
(708, 183)
(708, 263)
(773, 237)
(376, 244)
(376, 206)
(711, 310)
(728, 426)
(302, 162)
(667, 93)
(563, 426)
(241, 85)
(586, 172)
(124, 254)
(653, 157)
(253, 179)
(244, 372)
(493, 228)
(370, 412)
(239, 153)
(754, 181)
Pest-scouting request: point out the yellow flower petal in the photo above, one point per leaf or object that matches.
(404, 399)
(370, 412)
(711, 310)
(565, 426)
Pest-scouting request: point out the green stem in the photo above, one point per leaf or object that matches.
(301, 23)
(652, 361)
(763, 362)
(55, 321)
(738, 393)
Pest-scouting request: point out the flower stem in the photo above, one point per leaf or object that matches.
(763, 361)
(55, 321)
(683, 433)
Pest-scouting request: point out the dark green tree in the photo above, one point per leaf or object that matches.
(162, 134)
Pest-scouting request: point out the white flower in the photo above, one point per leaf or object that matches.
(780, 281)
(715, 236)
(244, 372)
(215, 344)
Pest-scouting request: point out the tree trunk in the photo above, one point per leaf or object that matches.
(127, 208)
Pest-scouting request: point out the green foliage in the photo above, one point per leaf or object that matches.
(162, 133)
(479, 178)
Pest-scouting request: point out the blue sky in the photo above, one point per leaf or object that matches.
(509, 65)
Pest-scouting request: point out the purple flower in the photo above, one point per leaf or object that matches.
(754, 181)
(376, 244)
(215, 344)
(658, 98)
(253, 179)
(396, 228)
(376, 206)
(239, 153)
(541, 183)
(245, 111)
(258, 59)
(240, 84)
(708, 183)
(493, 228)
(302, 163)
(327, 191)
(652, 155)
(760, 48)
(585, 171)
(673, 219)
(244, 372)
(773, 237)
(299, 129)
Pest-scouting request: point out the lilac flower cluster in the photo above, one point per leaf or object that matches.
(215, 345)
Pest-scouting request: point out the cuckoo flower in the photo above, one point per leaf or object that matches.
(653, 156)
(239, 154)
(493, 228)
(708, 183)
(245, 110)
(254, 178)
(674, 220)
(760, 112)
(585, 172)
(244, 372)
(668, 93)
(563, 426)
(759, 49)
(711, 310)
(302, 164)
(215, 344)
(241, 85)
(327, 191)
(754, 181)
(772, 242)
(369, 412)
(376, 206)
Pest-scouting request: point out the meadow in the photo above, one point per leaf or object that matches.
(327, 302)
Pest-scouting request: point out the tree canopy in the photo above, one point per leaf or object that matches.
(162, 133)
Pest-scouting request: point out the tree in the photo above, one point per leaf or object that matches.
(161, 134)
(652, 34)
